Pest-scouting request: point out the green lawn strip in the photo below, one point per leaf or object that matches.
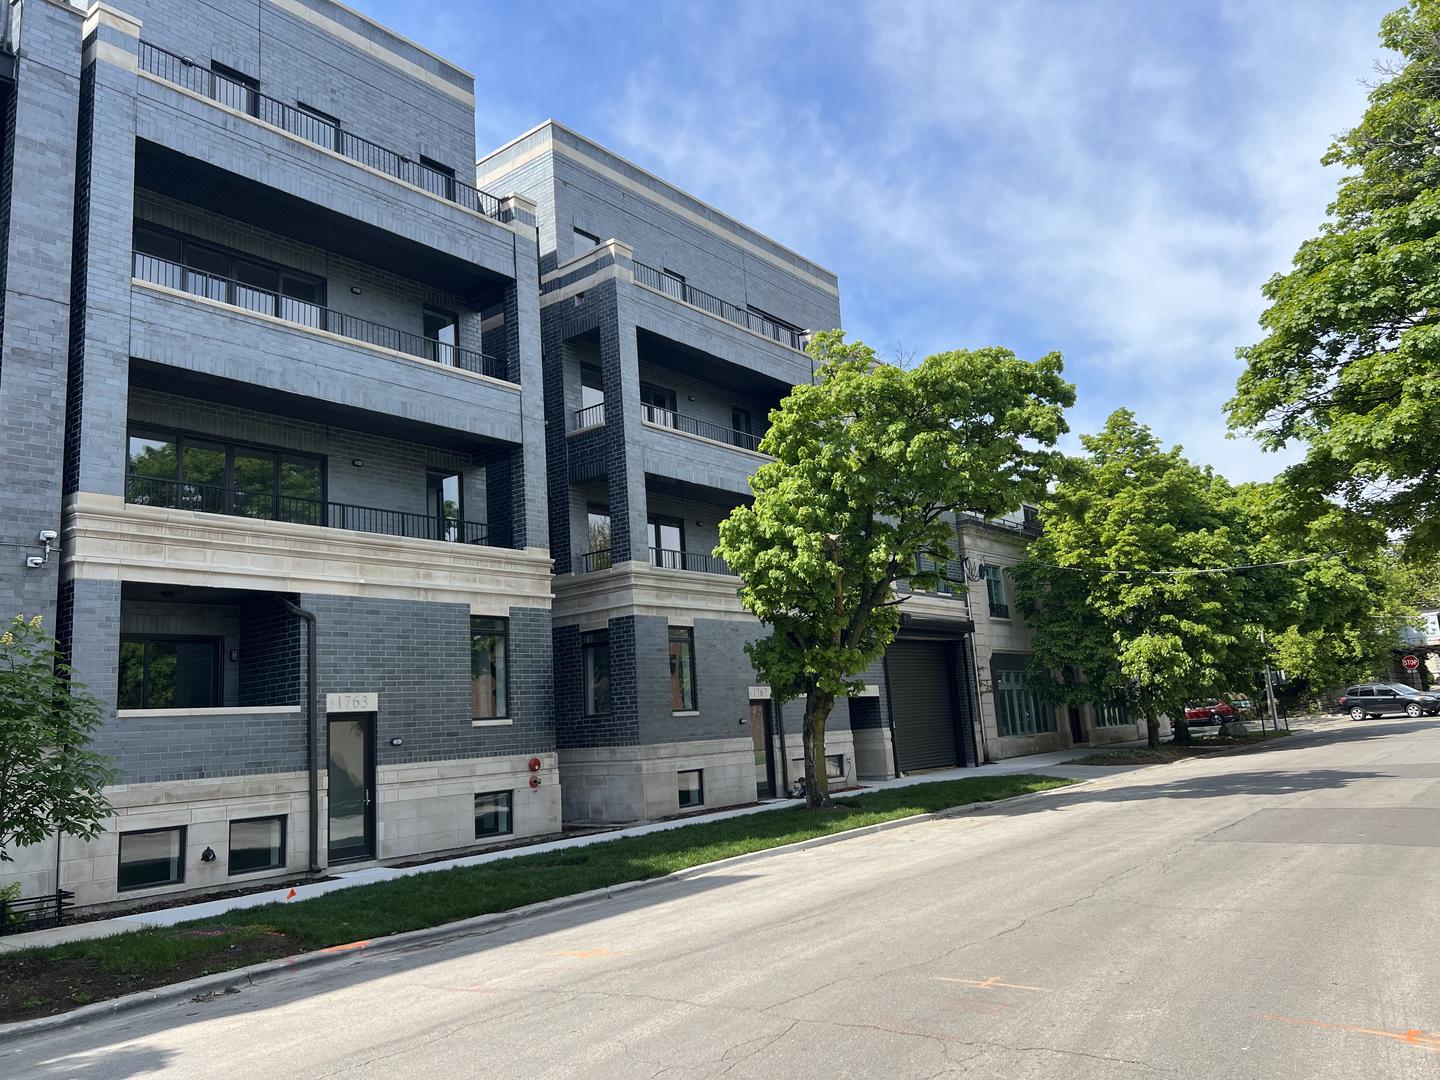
(1140, 755)
(437, 897)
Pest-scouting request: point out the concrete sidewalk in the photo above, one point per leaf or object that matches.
(1044, 764)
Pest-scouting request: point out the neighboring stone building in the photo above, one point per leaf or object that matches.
(1014, 720)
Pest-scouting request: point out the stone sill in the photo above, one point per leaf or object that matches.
(266, 710)
(498, 722)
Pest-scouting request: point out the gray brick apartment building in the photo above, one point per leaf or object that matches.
(282, 364)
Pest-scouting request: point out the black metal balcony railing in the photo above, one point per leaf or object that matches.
(266, 506)
(182, 71)
(301, 312)
(680, 290)
(706, 430)
(670, 559)
(35, 913)
(592, 561)
(591, 417)
(999, 611)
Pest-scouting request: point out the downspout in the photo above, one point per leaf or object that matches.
(973, 690)
(890, 713)
(312, 710)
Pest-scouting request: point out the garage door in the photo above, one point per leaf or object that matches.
(920, 702)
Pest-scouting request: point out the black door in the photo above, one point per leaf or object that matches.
(352, 786)
(921, 704)
(762, 732)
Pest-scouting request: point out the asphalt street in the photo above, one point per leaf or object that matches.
(1265, 915)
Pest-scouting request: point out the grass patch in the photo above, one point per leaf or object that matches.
(1140, 755)
(437, 897)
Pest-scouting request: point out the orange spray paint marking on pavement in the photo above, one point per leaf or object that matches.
(1426, 1040)
(991, 983)
(347, 948)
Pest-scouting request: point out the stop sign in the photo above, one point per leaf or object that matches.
(1410, 662)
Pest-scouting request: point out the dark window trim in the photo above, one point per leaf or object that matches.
(120, 854)
(700, 776)
(665, 519)
(322, 284)
(284, 844)
(509, 830)
(687, 634)
(319, 114)
(591, 639)
(783, 323)
(505, 633)
(655, 388)
(217, 643)
(150, 431)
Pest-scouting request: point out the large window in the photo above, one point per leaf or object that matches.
(995, 586)
(682, 669)
(257, 844)
(175, 673)
(190, 472)
(691, 785)
(667, 542)
(153, 857)
(208, 270)
(1018, 708)
(596, 672)
(1112, 715)
(489, 640)
(492, 814)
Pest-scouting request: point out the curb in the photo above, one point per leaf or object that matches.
(478, 924)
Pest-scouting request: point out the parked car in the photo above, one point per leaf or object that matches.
(1209, 711)
(1377, 699)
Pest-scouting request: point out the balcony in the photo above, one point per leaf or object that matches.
(999, 611)
(182, 71)
(267, 506)
(594, 416)
(664, 558)
(668, 418)
(669, 559)
(238, 294)
(721, 309)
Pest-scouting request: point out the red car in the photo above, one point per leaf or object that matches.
(1210, 711)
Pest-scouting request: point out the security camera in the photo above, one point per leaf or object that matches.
(34, 561)
(46, 535)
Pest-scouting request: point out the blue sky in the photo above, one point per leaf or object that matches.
(1111, 179)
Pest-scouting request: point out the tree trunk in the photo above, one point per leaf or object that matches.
(1182, 733)
(1152, 731)
(818, 705)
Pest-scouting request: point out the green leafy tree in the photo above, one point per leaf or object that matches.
(871, 463)
(1350, 364)
(50, 779)
(1105, 630)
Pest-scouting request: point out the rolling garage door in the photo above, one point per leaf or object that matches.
(921, 705)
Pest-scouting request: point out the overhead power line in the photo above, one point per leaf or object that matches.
(1207, 570)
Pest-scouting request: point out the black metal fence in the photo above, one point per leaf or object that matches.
(703, 428)
(267, 506)
(671, 559)
(36, 913)
(681, 290)
(264, 302)
(593, 560)
(320, 130)
(591, 417)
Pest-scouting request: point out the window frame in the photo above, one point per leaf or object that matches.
(699, 775)
(179, 438)
(995, 586)
(1105, 714)
(1012, 718)
(283, 819)
(684, 635)
(231, 255)
(501, 691)
(179, 879)
(593, 640)
(218, 683)
(509, 800)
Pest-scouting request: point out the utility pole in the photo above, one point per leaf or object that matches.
(1269, 687)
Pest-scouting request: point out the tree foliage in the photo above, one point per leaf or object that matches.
(1350, 364)
(50, 779)
(1107, 632)
(871, 463)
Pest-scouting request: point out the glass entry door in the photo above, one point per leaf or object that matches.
(352, 786)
